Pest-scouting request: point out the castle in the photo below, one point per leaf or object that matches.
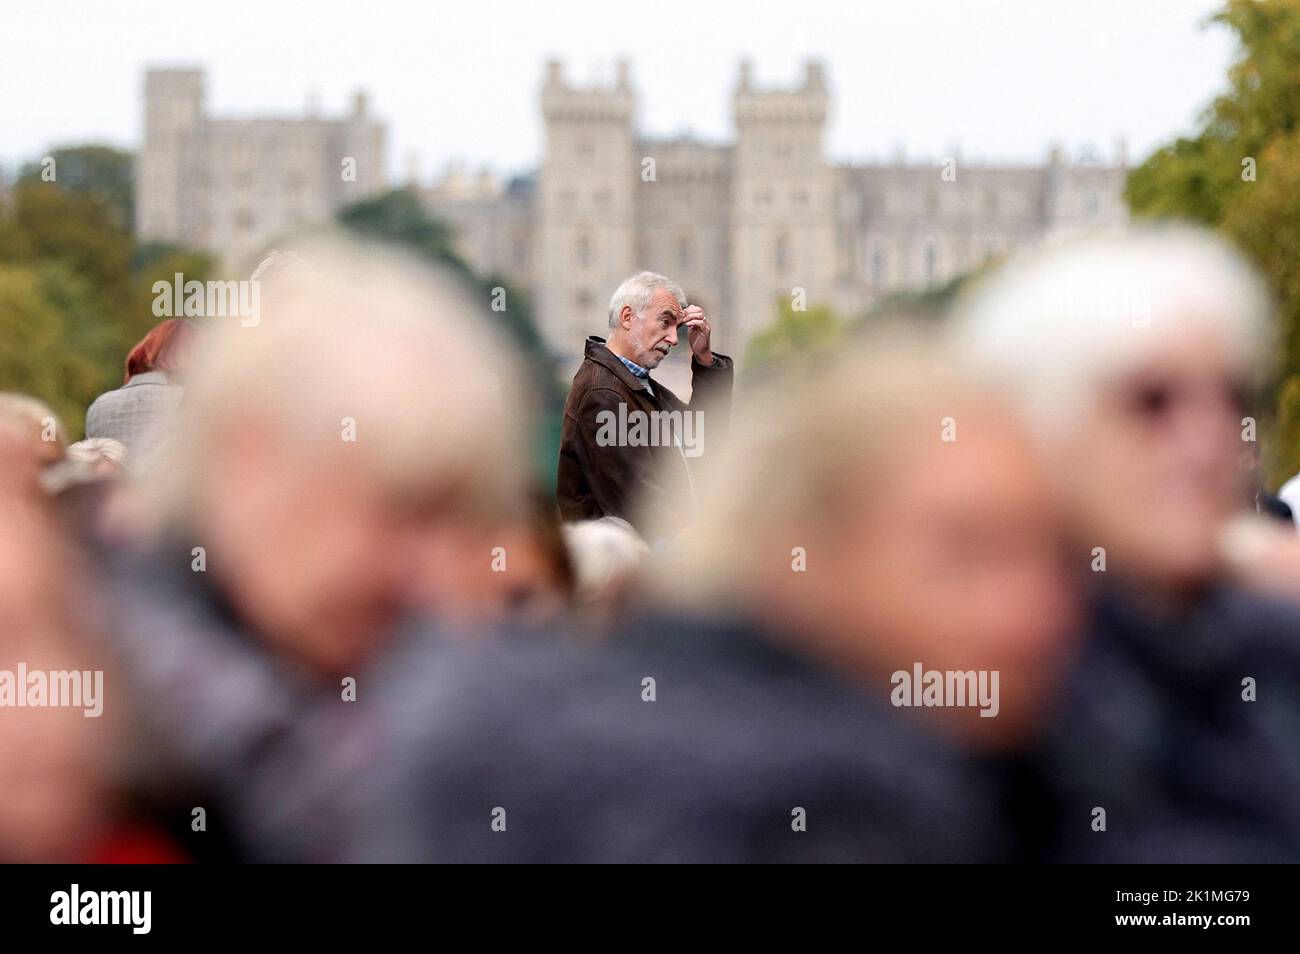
(742, 225)
(233, 186)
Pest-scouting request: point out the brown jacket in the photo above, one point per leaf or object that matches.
(626, 478)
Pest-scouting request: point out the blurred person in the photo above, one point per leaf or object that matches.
(95, 458)
(90, 492)
(606, 466)
(607, 555)
(36, 425)
(138, 413)
(514, 572)
(101, 456)
(747, 711)
(63, 760)
(1133, 359)
(313, 460)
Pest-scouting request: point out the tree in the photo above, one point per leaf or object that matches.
(793, 334)
(37, 356)
(1240, 173)
(75, 293)
(100, 172)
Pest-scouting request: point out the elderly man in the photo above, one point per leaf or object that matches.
(625, 434)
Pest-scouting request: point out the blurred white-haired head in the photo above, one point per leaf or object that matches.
(85, 461)
(319, 453)
(34, 422)
(1053, 325)
(605, 554)
(1134, 359)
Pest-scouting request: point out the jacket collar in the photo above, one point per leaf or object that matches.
(148, 377)
(598, 351)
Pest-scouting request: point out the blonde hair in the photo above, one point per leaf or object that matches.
(802, 451)
(367, 339)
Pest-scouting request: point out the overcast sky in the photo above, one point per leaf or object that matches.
(459, 81)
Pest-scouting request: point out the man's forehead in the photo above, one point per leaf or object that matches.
(663, 300)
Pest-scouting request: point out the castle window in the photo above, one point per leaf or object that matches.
(582, 299)
(878, 264)
(991, 201)
(684, 253)
(931, 263)
(781, 253)
(1091, 204)
(582, 251)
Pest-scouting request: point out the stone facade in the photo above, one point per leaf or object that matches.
(742, 224)
(233, 186)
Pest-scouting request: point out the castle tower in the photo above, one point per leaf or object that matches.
(782, 202)
(173, 114)
(363, 140)
(585, 206)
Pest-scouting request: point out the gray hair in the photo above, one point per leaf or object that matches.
(94, 450)
(1050, 328)
(638, 291)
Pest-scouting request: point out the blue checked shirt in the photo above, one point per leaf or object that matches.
(639, 371)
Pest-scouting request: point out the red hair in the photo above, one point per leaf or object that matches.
(164, 348)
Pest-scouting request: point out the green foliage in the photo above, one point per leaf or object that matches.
(793, 335)
(1253, 127)
(99, 172)
(399, 217)
(75, 294)
(929, 304)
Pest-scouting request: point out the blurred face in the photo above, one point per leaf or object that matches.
(1155, 469)
(647, 338)
(308, 549)
(55, 798)
(953, 560)
(473, 576)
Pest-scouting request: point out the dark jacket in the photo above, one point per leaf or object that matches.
(1154, 727)
(598, 478)
(582, 763)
